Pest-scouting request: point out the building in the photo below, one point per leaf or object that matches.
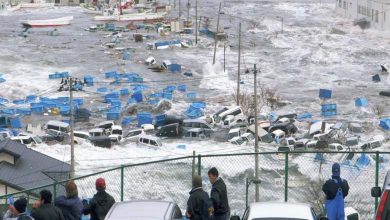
(376, 12)
(23, 168)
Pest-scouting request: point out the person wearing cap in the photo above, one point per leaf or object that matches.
(218, 195)
(17, 211)
(44, 210)
(199, 206)
(101, 202)
(335, 189)
(70, 205)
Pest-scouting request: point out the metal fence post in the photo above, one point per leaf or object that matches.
(54, 190)
(286, 178)
(376, 177)
(199, 165)
(122, 181)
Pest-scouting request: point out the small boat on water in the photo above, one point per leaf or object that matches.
(132, 17)
(49, 22)
(36, 5)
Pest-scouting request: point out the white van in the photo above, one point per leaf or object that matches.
(81, 137)
(29, 140)
(57, 126)
(234, 111)
(116, 133)
(278, 135)
(232, 121)
(149, 140)
(97, 132)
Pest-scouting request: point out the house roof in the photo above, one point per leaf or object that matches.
(32, 169)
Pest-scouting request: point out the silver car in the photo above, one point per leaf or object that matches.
(144, 210)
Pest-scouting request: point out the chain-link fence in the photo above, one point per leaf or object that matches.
(284, 176)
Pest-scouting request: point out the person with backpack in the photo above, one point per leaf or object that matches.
(70, 205)
(17, 211)
(335, 189)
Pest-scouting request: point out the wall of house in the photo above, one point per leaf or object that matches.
(377, 12)
(7, 158)
(4, 189)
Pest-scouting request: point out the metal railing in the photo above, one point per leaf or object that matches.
(284, 176)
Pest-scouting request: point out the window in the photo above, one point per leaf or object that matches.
(57, 1)
(339, 148)
(81, 1)
(177, 213)
(237, 112)
(134, 133)
(204, 126)
(344, 5)
(53, 127)
(339, 3)
(376, 16)
(27, 141)
(152, 142)
(144, 140)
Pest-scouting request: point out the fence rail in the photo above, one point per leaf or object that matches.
(284, 176)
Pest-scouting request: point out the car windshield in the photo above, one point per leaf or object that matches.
(38, 140)
(117, 132)
(239, 141)
(233, 134)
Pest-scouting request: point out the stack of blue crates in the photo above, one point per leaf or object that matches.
(144, 118)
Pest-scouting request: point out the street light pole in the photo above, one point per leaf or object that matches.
(256, 134)
(239, 65)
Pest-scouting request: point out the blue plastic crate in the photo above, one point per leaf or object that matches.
(182, 88)
(126, 121)
(124, 92)
(361, 102)
(88, 80)
(78, 101)
(102, 89)
(168, 96)
(31, 98)
(37, 109)
(113, 115)
(111, 74)
(325, 94)
(138, 97)
(23, 111)
(191, 95)
(19, 101)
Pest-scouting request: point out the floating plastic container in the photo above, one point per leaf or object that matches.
(78, 102)
(303, 116)
(272, 116)
(325, 94)
(169, 89)
(102, 89)
(168, 96)
(182, 88)
(144, 118)
(174, 68)
(16, 123)
(181, 146)
(131, 101)
(126, 55)
(116, 103)
(63, 99)
(361, 102)
(2, 80)
(189, 74)
(31, 98)
(64, 110)
(138, 97)
(37, 109)
(112, 95)
(3, 101)
(9, 111)
(124, 92)
(112, 74)
(159, 120)
(376, 78)
(88, 80)
(113, 115)
(328, 110)
(385, 124)
(18, 102)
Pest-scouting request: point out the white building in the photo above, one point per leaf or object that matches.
(376, 12)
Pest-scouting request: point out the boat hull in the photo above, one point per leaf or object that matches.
(131, 17)
(48, 23)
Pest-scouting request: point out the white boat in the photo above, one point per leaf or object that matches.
(132, 17)
(49, 22)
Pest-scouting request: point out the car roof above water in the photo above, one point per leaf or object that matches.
(141, 209)
(280, 210)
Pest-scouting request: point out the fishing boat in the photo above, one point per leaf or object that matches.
(36, 5)
(49, 22)
(144, 17)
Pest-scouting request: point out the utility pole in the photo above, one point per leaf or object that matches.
(216, 33)
(196, 22)
(239, 65)
(179, 9)
(282, 25)
(120, 7)
(224, 57)
(72, 162)
(188, 11)
(256, 135)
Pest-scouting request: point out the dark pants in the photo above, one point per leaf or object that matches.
(220, 216)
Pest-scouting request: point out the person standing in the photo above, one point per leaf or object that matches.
(17, 211)
(335, 189)
(218, 195)
(199, 206)
(70, 205)
(44, 210)
(101, 202)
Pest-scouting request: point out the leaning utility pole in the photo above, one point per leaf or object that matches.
(239, 65)
(216, 33)
(72, 163)
(256, 135)
(196, 22)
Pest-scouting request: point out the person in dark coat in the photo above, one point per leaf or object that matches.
(17, 211)
(44, 210)
(199, 206)
(101, 202)
(70, 205)
(335, 189)
(219, 196)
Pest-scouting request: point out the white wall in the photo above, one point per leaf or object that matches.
(375, 11)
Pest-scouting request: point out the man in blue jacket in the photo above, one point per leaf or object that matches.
(335, 189)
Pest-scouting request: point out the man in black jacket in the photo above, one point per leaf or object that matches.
(44, 210)
(199, 206)
(218, 196)
(101, 202)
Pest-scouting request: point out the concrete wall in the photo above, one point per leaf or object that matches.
(377, 12)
